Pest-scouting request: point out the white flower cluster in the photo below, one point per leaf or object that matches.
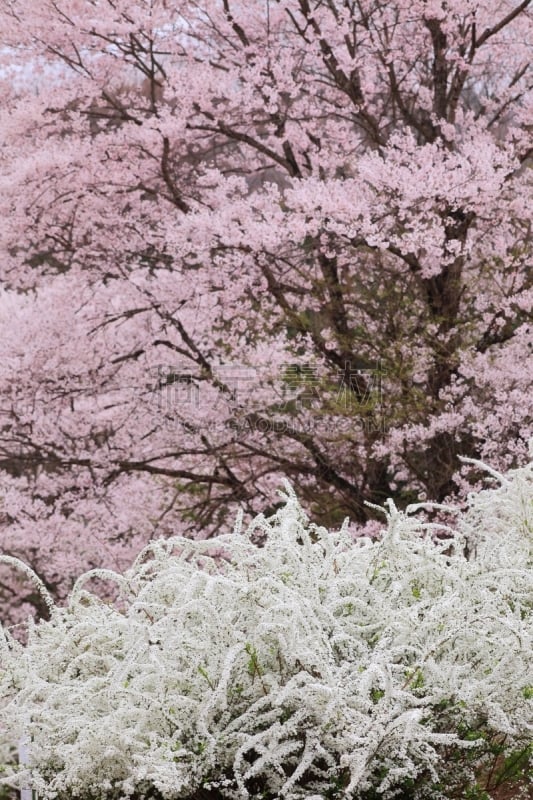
(311, 666)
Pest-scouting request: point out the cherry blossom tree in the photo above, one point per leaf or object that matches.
(242, 241)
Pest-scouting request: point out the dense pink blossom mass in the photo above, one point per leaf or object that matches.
(247, 240)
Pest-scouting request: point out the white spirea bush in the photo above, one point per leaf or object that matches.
(312, 666)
